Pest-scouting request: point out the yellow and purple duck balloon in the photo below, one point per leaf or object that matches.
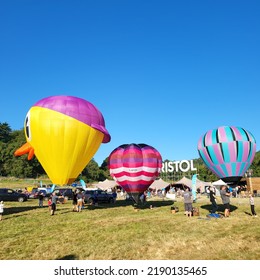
(64, 133)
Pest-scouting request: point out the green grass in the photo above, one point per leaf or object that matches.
(118, 232)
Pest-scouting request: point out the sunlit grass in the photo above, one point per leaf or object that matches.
(116, 231)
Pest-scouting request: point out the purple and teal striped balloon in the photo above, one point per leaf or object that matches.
(227, 151)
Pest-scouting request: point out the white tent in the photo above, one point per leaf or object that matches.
(184, 181)
(188, 182)
(218, 183)
(105, 185)
(201, 184)
(159, 184)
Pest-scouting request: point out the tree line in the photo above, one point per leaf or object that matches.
(20, 167)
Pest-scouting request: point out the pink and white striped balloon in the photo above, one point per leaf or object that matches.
(135, 167)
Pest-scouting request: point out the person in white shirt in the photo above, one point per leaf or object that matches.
(1, 209)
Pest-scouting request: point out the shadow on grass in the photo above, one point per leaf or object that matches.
(125, 203)
(221, 207)
(68, 257)
(19, 209)
(66, 211)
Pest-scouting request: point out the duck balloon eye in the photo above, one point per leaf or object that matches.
(27, 126)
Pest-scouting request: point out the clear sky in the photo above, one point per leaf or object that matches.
(161, 72)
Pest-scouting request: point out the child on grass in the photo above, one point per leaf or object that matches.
(252, 205)
(49, 203)
(1, 209)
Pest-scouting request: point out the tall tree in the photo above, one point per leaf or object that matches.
(5, 132)
(91, 171)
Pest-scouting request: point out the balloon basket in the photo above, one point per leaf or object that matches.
(136, 208)
(174, 210)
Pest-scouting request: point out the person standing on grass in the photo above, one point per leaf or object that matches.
(225, 196)
(252, 204)
(1, 209)
(74, 201)
(54, 199)
(80, 198)
(212, 198)
(187, 196)
(49, 203)
(41, 197)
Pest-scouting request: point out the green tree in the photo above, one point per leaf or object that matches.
(5, 132)
(91, 172)
(18, 167)
(104, 164)
(256, 165)
(104, 171)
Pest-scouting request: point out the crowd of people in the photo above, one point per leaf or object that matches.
(185, 193)
(226, 193)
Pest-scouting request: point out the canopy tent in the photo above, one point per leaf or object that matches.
(188, 182)
(219, 183)
(184, 181)
(203, 184)
(159, 184)
(105, 185)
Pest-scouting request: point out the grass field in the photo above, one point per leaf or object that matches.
(118, 232)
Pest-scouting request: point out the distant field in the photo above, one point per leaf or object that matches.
(117, 231)
(15, 183)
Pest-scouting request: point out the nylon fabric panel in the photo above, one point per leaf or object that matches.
(63, 145)
(78, 109)
(134, 188)
(233, 153)
(135, 166)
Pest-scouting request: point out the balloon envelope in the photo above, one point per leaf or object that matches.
(135, 167)
(64, 132)
(227, 151)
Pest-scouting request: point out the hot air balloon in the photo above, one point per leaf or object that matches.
(227, 151)
(64, 132)
(135, 167)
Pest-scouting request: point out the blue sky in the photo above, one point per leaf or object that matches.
(161, 72)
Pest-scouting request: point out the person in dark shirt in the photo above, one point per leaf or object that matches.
(54, 200)
(41, 197)
(225, 196)
(212, 198)
(74, 201)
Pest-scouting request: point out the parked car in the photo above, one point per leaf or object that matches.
(96, 196)
(66, 192)
(33, 192)
(11, 195)
(44, 192)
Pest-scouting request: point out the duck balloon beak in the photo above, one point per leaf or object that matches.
(25, 149)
